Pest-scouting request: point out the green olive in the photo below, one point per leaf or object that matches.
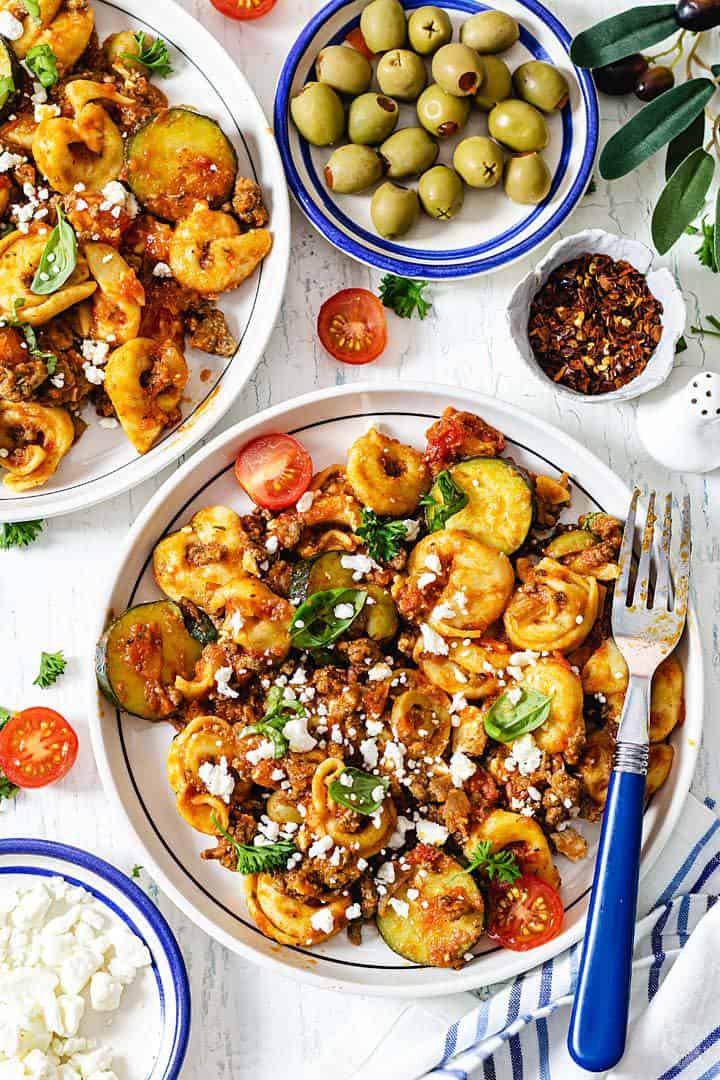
(383, 25)
(490, 31)
(458, 70)
(442, 114)
(343, 68)
(497, 84)
(408, 152)
(371, 119)
(479, 161)
(542, 85)
(518, 126)
(121, 47)
(428, 29)
(441, 192)
(318, 114)
(394, 210)
(353, 168)
(527, 179)
(401, 74)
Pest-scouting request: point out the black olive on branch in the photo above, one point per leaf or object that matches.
(698, 14)
(621, 76)
(654, 82)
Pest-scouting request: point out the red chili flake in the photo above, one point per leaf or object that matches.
(594, 324)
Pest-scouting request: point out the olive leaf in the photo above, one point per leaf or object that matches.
(617, 37)
(683, 144)
(654, 126)
(682, 199)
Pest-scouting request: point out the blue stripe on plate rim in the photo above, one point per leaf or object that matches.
(50, 849)
(401, 266)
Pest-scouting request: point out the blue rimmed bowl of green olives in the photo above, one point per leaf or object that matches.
(435, 141)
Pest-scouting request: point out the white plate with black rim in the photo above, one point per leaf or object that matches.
(103, 463)
(131, 753)
(490, 231)
(150, 1030)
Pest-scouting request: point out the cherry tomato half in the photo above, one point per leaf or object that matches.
(37, 747)
(525, 914)
(352, 327)
(274, 470)
(357, 41)
(244, 9)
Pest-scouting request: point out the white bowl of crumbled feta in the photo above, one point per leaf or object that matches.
(92, 983)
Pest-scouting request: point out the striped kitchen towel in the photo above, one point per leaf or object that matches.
(518, 1032)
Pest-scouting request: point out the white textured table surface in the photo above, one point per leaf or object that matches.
(248, 1023)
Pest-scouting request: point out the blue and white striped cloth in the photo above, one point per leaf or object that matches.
(518, 1032)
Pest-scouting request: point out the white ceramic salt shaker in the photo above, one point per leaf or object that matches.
(679, 423)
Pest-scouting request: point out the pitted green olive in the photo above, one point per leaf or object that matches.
(440, 113)
(518, 126)
(408, 152)
(401, 74)
(490, 31)
(318, 114)
(458, 70)
(479, 161)
(343, 68)
(497, 84)
(527, 179)
(383, 25)
(372, 117)
(542, 85)
(428, 29)
(441, 192)
(353, 168)
(394, 210)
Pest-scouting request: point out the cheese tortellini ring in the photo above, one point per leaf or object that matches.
(564, 730)
(286, 919)
(554, 611)
(35, 437)
(659, 765)
(503, 828)
(20, 255)
(66, 28)
(596, 765)
(386, 475)
(258, 620)
(421, 721)
(472, 669)
(667, 703)
(118, 302)
(323, 811)
(605, 671)
(87, 150)
(208, 252)
(206, 738)
(145, 379)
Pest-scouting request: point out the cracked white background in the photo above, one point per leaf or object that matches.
(249, 1023)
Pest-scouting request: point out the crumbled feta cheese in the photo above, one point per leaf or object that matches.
(323, 920)
(369, 752)
(461, 768)
(94, 375)
(527, 754)
(432, 561)
(320, 847)
(353, 912)
(45, 112)
(115, 193)
(401, 907)
(58, 381)
(359, 564)
(105, 992)
(272, 544)
(222, 679)
(8, 160)
(524, 658)
(305, 502)
(343, 611)
(514, 694)
(386, 873)
(412, 528)
(425, 580)
(266, 749)
(378, 672)
(162, 270)
(458, 703)
(395, 757)
(444, 610)
(432, 641)
(95, 352)
(217, 779)
(402, 825)
(534, 794)
(429, 832)
(298, 736)
(10, 27)
(378, 793)
(373, 727)
(579, 620)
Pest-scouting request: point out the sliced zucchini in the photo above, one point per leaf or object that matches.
(377, 620)
(450, 922)
(178, 158)
(139, 656)
(197, 622)
(11, 78)
(500, 505)
(570, 543)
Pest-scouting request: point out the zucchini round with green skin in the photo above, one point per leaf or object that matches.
(177, 159)
(11, 78)
(451, 922)
(569, 543)
(500, 505)
(377, 620)
(139, 656)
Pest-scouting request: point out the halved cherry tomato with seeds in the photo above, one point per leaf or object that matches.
(525, 914)
(357, 41)
(37, 747)
(352, 326)
(244, 9)
(274, 470)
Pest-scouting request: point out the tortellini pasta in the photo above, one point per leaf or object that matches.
(208, 252)
(144, 380)
(523, 835)
(325, 815)
(34, 438)
(386, 475)
(554, 610)
(20, 255)
(285, 918)
(118, 302)
(204, 739)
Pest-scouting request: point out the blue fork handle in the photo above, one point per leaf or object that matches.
(598, 1025)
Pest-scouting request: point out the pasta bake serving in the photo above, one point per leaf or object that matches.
(394, 689)
(122, 219)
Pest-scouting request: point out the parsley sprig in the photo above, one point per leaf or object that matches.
(28, 332)
(278, 710)
(706, 253)
(257, 860)
(452, 500)
(19, 534)
(42, 61)
(383, 536)
(52, 666)
(154, 56)
(404, 296)
(7, 790)
(714, 322)
(501, 865)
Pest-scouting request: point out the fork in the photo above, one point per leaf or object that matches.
(645, 632)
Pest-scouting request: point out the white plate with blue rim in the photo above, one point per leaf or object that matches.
(150, 1030)
(490, 231)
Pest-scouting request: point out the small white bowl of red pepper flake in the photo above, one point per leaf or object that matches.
(594, 319)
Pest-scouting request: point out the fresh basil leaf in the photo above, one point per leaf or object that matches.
(617, 37)
(437, 514)
(33, 8)
(58, 260)
(683, 144)
(360, 791)
(316, 623)
(506, 720)
(682, 199)
(43, 63)
(654, 126)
